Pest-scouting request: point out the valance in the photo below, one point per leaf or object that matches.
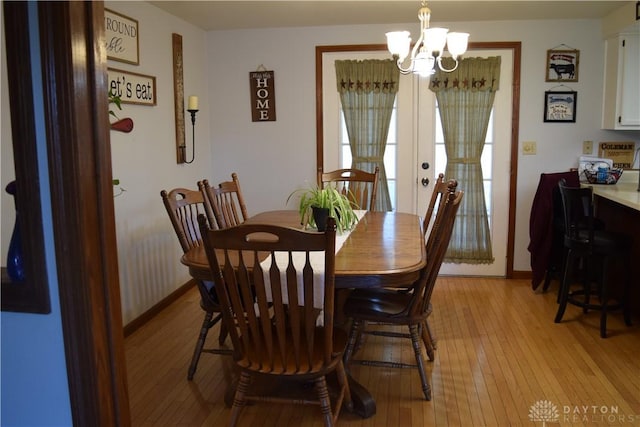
(366, 76)
(472, 74)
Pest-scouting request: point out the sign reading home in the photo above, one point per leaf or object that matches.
(263, 96)
(620, 152)
(132, 88)
(121, 37)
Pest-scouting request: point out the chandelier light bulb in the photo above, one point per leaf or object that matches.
(399, 43)
(457, 43)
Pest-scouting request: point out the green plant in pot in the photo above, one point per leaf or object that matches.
(318, 203)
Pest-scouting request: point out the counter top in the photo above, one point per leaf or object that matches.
(624, 192)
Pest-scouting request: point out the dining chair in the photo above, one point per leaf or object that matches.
(184, 206)
(280, 312)
(590, 252)
(227, 202)
(361, 187)
(411, 309)
(431, 217)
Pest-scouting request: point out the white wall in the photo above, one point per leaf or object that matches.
(145, 160)
(274, 158)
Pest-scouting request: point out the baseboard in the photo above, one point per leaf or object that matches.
(521, 275)
(139, 321)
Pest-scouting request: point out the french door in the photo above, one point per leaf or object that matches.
(415, 153)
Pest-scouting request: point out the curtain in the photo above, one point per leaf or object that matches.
(368, 90)
(465, 99)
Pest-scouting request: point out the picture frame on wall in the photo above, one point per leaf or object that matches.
(560, 106)
(562, 65)
(121, 35)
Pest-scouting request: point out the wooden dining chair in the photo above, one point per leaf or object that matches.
(431, 220)
(227, 202)
(361, 187)
(280, 311)
(440, 190)
(411, 309)
(184, 206)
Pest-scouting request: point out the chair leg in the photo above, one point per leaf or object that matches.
(587, 284)
(239, 400)
(625, 293)
(427, 340)
(343, 381)
(432, 336)
(223, 332)
(563, 294)
(354, 335)
(206, 324)
(604, 300)
(415, 340)
(325, 403)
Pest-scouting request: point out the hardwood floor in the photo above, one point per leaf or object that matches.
(499, 357)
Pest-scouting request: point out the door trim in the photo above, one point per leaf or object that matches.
(515, 120)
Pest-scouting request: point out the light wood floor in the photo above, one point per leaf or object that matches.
(499, 354)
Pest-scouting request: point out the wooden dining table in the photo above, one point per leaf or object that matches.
(385, 249)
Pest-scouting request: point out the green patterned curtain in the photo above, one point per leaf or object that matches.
(367, 92)
(465, 99)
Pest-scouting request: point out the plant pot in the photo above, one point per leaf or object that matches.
(320, 216)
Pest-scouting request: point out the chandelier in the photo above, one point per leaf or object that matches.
(428, 50)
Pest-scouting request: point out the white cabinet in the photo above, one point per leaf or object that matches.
(621, 99)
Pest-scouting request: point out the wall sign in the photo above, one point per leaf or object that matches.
(620, 152)
(263, 96)
(121, 34)
(560, 106)
(132, 88)
(562, 65)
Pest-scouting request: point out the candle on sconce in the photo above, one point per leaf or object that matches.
(193, 103)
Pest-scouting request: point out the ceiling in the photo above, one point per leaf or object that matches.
(241, 14)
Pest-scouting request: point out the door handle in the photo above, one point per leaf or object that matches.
(425, 165)
(425, 182)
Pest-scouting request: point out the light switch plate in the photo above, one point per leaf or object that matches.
(587, 147)
(529, 147)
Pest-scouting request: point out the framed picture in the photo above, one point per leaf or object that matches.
(562, 65)
(121, 36)
(132, 88)
(560, 106)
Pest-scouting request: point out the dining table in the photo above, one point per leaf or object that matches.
(384, 249)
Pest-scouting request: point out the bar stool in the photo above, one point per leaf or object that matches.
(594, 250)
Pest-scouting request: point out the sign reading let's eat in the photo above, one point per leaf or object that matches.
(263, 96)
(132, 88)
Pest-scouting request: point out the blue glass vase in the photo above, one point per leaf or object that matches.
(15, 261)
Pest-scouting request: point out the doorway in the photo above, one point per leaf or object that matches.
(416, 122)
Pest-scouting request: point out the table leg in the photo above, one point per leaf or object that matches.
(363, 403)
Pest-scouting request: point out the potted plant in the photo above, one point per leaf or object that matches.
(318, 203)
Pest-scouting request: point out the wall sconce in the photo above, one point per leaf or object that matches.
(193, 109)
